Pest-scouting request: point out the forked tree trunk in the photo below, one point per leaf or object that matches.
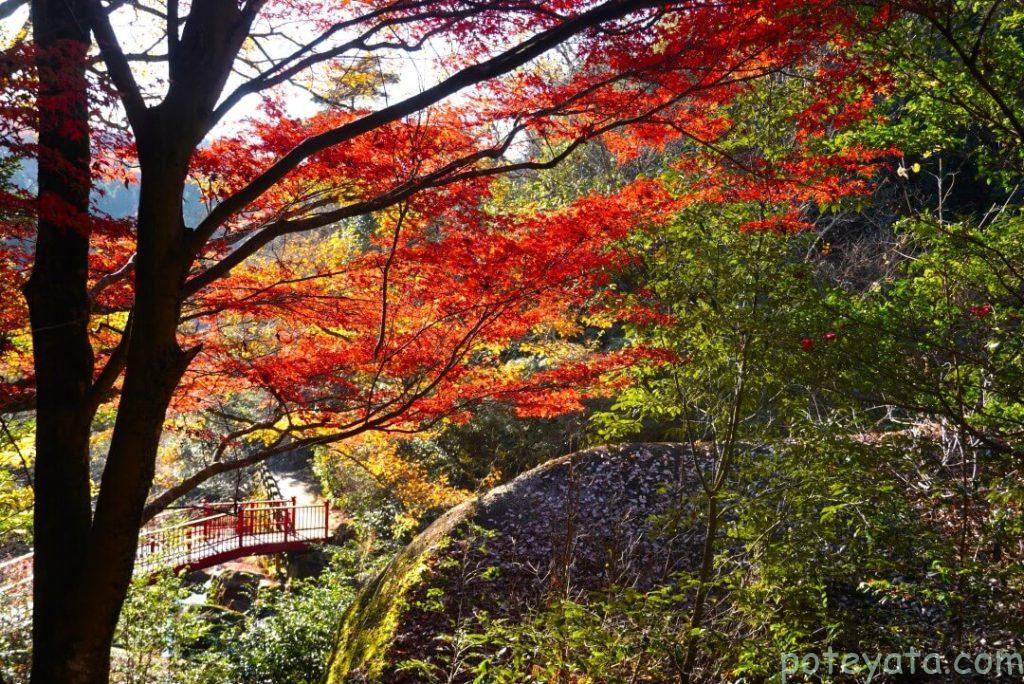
(83, 562)
(154, 367)
(58, 304)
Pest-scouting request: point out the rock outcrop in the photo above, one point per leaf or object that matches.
(235, 589)
(598, 517)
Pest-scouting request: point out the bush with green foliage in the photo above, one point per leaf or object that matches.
(169, 634)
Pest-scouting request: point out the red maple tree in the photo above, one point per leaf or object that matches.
(330, 325)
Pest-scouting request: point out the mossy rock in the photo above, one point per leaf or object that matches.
(574, 524)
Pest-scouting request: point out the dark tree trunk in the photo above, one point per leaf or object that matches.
(154, 367)
(84, 562)
(58, 305)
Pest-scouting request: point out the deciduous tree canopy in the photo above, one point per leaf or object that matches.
(332, 232)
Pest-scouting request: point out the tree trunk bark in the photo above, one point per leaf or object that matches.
(58, 304)
(154, 366)
(84, 561)
(707, 567)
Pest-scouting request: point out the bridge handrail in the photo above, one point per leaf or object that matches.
(233, 504)
(13, 561)
(185, 523)
(11, 589)
(15, 571)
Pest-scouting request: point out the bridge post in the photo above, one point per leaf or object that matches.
(206, 522)
(289, 525)
(327, 519)
(240, 525)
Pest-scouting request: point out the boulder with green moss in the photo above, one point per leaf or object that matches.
(575, 524)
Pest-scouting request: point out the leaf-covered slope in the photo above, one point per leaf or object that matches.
(575, 523)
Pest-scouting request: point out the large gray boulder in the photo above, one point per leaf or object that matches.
(577, 523)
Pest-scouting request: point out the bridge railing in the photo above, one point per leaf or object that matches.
(16, 570)
(224, 531)
(178, 545)
(16, 592)
(229, 528)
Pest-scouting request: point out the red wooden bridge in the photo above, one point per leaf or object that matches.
(216, 533)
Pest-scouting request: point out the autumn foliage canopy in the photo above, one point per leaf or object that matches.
(365, 267)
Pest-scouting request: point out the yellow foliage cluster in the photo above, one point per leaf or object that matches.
(378, 456)
(16, 454)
